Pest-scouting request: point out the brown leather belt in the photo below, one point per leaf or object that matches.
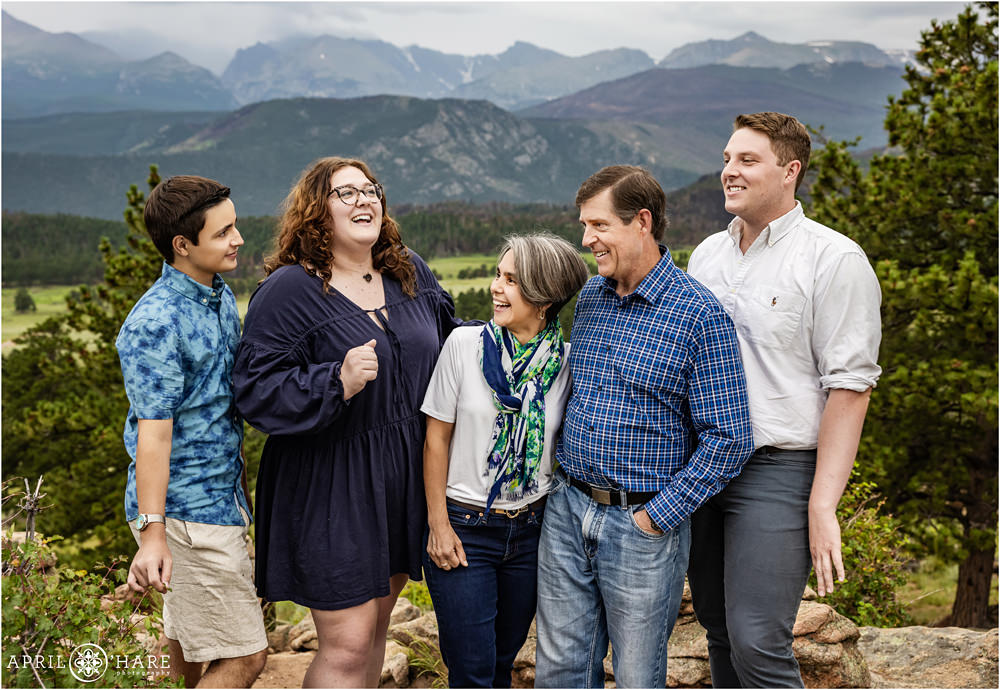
(530, 508)
(612, 497)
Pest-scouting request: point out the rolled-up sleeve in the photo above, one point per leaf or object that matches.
(847, 329)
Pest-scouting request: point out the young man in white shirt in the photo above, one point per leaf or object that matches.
(805, 302)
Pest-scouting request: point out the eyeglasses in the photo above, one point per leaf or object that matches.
(349, 193)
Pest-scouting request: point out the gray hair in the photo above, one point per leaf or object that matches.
(549, 269)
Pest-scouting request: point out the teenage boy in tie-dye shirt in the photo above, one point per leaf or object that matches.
(186, 498)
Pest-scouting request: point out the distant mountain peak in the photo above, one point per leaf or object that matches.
(750, 49)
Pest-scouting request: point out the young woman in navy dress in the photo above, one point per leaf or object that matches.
(339, 343)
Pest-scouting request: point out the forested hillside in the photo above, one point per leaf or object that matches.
(62, 249)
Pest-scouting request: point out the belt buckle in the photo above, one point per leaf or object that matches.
(602, 496)
(514, 513)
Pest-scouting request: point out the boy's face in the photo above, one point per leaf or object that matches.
(218, 244)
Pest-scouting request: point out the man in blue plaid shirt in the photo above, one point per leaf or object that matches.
(656, 424)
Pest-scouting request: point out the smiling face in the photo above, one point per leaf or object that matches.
(622, 250)
(510, 309)
(757, 188)
(218, 244)
(356, 224)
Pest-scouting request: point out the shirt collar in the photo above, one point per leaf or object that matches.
(774, 231)
(183, 284)
(653, 284)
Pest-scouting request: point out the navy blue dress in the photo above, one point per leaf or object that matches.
(340, 497)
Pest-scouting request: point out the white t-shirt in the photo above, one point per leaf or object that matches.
(458, 394)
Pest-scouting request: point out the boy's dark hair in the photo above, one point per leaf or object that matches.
(789, 137)
(177, 206)
(632, 189)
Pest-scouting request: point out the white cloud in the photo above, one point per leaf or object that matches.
(209, 33)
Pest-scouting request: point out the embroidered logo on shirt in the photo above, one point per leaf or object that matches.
(774, 301)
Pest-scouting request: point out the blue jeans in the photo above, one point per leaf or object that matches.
(484, 610)
(601, 578)
(749, 564)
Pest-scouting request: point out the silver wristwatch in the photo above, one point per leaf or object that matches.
(142, 522)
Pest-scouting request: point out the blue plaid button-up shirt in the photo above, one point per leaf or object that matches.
(177, 348)
(659, 401)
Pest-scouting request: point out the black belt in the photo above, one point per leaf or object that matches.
(530, 508)
(612, 497)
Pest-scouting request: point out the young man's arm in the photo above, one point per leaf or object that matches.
(839, 434)
(153, 564)
(846, 335)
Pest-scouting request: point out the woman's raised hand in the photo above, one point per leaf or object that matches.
(360, 366)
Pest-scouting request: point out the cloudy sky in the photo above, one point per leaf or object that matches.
(209, 33)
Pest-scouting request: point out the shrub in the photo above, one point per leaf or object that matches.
(872, 547)
(58, 632)
(23, 301)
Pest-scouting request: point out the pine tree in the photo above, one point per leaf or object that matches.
(64, 404)
(23, 301)
(926, 213)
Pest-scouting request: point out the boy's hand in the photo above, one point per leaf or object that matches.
(360, 366)
(153, 564)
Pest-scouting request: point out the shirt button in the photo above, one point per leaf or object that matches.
(590, 427)
(600, 387)
(204, 300)
(213, 293)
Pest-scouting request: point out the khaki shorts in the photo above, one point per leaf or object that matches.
(212, 608)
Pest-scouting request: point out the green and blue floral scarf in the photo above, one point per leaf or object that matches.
(519, 377)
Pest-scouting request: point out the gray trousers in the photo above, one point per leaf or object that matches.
(749, 564)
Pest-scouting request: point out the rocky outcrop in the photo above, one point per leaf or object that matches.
(832, 652)
(921, 657)
(825, 646)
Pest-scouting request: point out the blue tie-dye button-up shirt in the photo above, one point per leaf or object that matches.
(176, 349)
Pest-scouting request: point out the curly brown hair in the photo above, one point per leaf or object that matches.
(305, 232)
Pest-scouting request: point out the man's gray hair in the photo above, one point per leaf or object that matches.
(549, 269)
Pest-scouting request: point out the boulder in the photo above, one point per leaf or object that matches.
(395, 667)
(524, 663)
(278, 640)
(403, 611)
(825, 646)
(302, 635)
(423, 629)
(922, 657)
(284, 670)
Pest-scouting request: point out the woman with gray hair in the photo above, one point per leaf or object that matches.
(494, 406)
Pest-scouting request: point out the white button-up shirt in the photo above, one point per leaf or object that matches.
(805, 302)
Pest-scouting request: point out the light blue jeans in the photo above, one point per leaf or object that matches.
(601, 578)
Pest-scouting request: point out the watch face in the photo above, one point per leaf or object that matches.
(141, 522)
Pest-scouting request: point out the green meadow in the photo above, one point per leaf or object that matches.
(51, 299)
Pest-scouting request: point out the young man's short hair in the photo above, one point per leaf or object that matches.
(632, 189)
(789, 138)
(177, 206)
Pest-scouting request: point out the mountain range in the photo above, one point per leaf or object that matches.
(457, 133)
(46, 73)
(753, 50)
